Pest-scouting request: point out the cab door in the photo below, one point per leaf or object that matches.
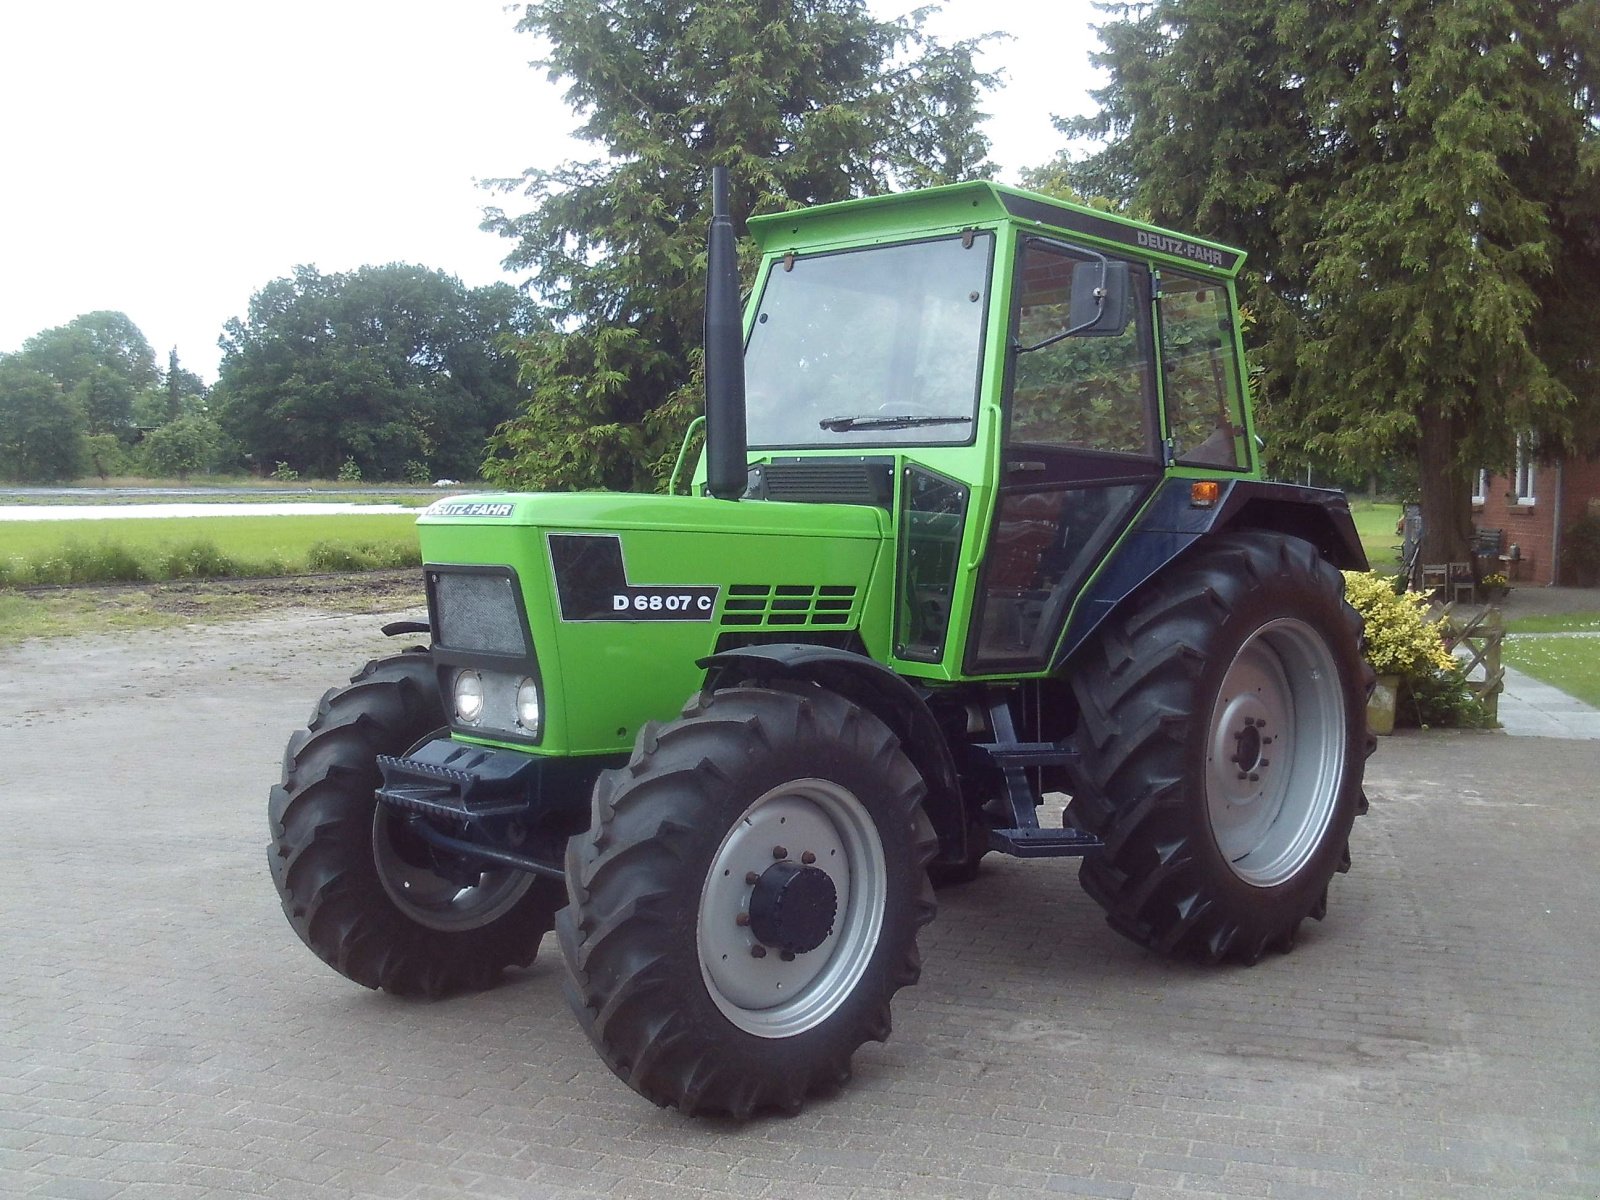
(1202, 384)
(1080, 453)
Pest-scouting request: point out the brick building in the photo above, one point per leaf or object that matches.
(1532, 507)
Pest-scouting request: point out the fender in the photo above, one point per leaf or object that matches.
(873, 686)
(1171, 524)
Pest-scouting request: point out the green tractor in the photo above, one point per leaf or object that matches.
(980, 522)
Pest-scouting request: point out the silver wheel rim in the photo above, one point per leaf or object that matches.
(434, 901)
(1275, 752)
(771, 996)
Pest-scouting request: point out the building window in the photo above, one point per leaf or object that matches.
(1480, 486)
(1527, 468)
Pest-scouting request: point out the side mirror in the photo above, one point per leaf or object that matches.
(1102, 299)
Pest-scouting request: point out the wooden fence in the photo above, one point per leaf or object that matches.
(1479, 632)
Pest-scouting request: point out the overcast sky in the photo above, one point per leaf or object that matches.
(167, 158)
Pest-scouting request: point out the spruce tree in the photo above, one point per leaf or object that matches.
(805, 101)
(1416, 184)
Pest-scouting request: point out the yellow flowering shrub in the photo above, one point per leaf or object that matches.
(1400, 638)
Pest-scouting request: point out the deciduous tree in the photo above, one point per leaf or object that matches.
(386, 365)
(102, 360)
(183, 446)
(41, 428)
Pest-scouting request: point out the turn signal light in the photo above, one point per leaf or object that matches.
(1203, 493)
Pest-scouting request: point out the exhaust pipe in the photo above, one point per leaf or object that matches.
(727, 459)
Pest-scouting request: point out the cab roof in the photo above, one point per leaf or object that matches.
(965, 205)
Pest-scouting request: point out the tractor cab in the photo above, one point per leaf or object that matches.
(1011, 378)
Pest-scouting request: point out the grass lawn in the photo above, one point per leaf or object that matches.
(45, 552)
(1569, 663)
(1375, 526)
(1575, 622)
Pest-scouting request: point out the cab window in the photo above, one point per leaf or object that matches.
(1087, 393)
(1199, 374)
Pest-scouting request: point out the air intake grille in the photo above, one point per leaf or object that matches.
(478, 612)
(823, 481)
(760, 605)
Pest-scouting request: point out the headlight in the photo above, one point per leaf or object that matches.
(469, 696)
(528, 705)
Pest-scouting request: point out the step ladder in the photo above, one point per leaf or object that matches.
(1025, 838)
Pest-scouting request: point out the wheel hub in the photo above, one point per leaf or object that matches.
(792, 907)
(1247, 748)
(1243, 744)
(1273, 752)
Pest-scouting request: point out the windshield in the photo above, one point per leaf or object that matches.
(880, 346)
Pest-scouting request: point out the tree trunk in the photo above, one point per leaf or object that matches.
(1446, 489)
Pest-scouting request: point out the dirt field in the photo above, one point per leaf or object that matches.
(28, 614)
(370, 591)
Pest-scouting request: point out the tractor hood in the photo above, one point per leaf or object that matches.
(619, 511)
(621, 595)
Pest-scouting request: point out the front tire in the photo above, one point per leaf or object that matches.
(746, 900)
(359, 889)
(1224, 735)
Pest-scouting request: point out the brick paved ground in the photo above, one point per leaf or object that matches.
(163, 1033)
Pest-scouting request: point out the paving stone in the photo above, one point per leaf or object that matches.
(164, 1034)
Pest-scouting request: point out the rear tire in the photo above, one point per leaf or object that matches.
(356, 887)
(1224, 739)
(746, 900)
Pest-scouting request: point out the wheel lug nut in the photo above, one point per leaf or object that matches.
(779, 853)
(1266, 762)
(1254, 778)
(786, 955)
(758, 951)
(1249, 721)
(1243, 775)
(808, 858)
(742, 919)
(752, 878)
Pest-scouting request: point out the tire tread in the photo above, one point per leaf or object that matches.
(624, 913)
(320, 818)
(1137, 687)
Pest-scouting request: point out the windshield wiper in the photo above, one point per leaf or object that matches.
(845, 424)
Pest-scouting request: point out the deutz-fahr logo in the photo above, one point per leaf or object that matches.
(1181, 248)
(468, 508)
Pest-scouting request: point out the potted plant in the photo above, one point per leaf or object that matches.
(1400, 641)
(1495, 587)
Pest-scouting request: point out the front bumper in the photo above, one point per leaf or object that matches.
(457, 781)
(498, 807)
(444, 778)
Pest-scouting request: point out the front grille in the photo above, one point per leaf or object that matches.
(478, 612)
(763, 605)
